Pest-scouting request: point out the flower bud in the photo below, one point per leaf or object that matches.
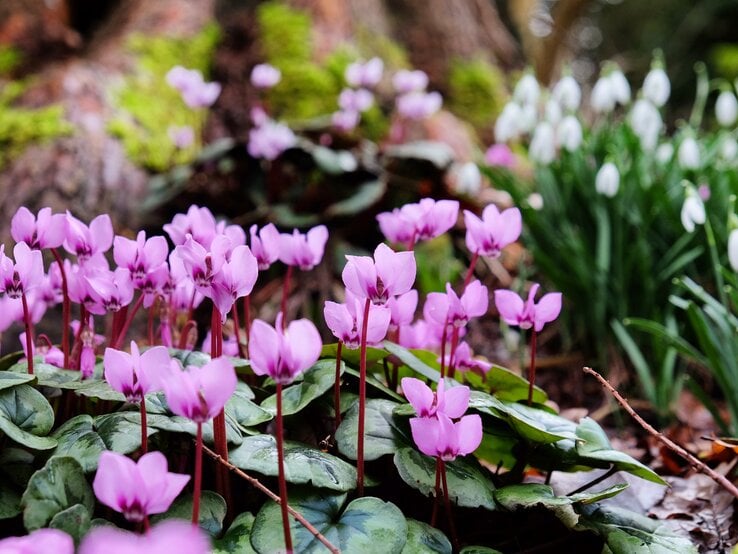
(689, 154)
(726, 108)
(567, 93)
(657, 87)
(569, 133)
(602, 99)
(607, 181)
(527, 90)
(693, 211)
(542, 145)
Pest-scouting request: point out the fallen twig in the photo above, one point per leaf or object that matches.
(256, 483)
(671, 445)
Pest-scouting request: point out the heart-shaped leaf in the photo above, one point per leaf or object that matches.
(238, 537)
(412, 361)
(74, 521)
(422, 538)
(178, 424)
(316, 381)
(11, 378)
(468, 485)
(505, 385)
(302, 464)
(48, 375)
(9, 360)
(212, 511)
(189, 357)
(367, 524)
(26, 417)
(100, 389)
(243, 410)
(351, 357)
(10, 501)
(381, 434)
(59, 485)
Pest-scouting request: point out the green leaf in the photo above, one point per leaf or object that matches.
(10, 501)
(302, 463)
(364, 198)
(351, 357)
(9, 360)
(374, 382)
(243, 410)
(237, 539)
(189, 357)
(11, 378)
(101, 390)
(469, 485)
(479, 550)
(367, 524)
(422, 538)
(437, 153)
(381, 435)
(594, 446)
(178, 424)
(212, 511)
(316, 381)
(626, 532)
(74, 521)
(412, 361)
(59, 485)
(509, 386)
(27, 417)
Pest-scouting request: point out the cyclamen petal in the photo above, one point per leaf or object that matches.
(40, 541)
(171, 535)
(283, 354)
(420, 396)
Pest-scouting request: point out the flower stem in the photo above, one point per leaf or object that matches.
(129, 320)
(198, 476)
(29, 333)
(144, 433)
(532, 369)
(337, 387)
(282, 481)
(437, 497)
(470, 271)
(65, 307)
(150, 323)
(449, 513)
(191, 324)
(444, 336)
(362, 401)
(285, 294)
(452, 352)
(247, 321)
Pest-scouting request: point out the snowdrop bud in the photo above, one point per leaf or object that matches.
(542, 145)
(733, 249)
(527, 90)
(553, 112)
(657, 87)
(569, 133)
(507, 125)
(567, 93)
(607, 181)
(728, 148)
(689, 154)
(602, 99)
(528, 118)
(664, 153)
(726, 108)
(645, 120)
(693, 211)
(620, 87)
(535, 201)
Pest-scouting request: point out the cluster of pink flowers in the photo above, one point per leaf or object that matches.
(363, 77)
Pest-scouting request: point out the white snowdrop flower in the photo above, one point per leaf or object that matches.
(726, 108)
(543, 146)
(645, 120)
(507, 126)
(467, 178)
(688, 154)
(527, 91)
(552, 112)
(657, 87)
(693, 211)
(607, 181)
(602, 99)
(620, 87)
(535, 201)
(733, 249)
(728, 148)
(569, 133)
(528, 118)
(567, 93)
(664, 153)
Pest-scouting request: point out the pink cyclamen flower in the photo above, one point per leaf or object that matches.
(40, 541)
(182, 137)
(201, 264)
(50, 354)
(46, 230)
(26, 274)
(136, 489)
(199, 393)
(500, 155)
(426, 403)
(405, 81)
(526, 314)
(264, 75)
(303, 250)
(171, 535)
(265, 245)
(282, 355)
(490, 234)
(419, 105)
(346, 322)
(269, 139)
(345, 121)
(421, 334)
(112, 290)
(440, 437)
(135, 374)
(356, 101)
(197, 222)
(230, 346)
(464, 361)
(423, 220)
(234, 280)
(84, 241)
(402, 308)
(366, 74)
(454, 310)
(388, 274)
(195, 92)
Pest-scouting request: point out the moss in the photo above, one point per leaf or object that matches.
(476, 91)
(10, 58)
(286, 34)
(21, 127)
(147, 106)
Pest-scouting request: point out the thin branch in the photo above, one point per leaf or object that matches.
(256, 483)
(671, 445)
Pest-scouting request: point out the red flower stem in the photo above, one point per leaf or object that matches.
(532, 370)
(191, 324)
(219, 423)
(247, 320)
(362, 401)
(411, 243)
(128, 322)
(29, 333)
(437, 497)
(470, 271)
(191, 309)
(76, 349)
(65, 307)
(447, 502)
(282, 481)
(444, 336)
(237, 330)
(198, 476)
(150, 323)
(144, 433)
(337, 386)
(452, 353)
(285, 294)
